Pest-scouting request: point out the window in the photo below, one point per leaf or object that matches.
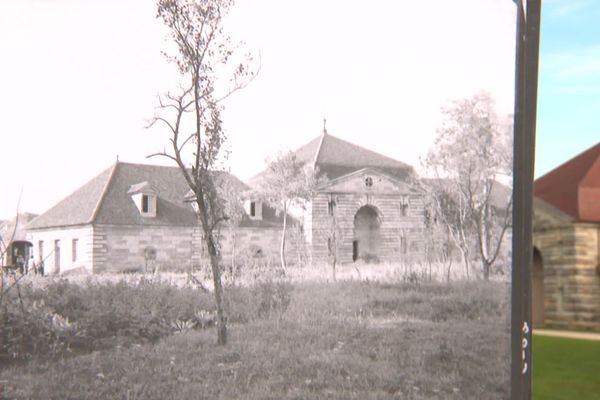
(253, 209)
(331, 205)
(368, 181)
(404, 206)
(57, 256)
(145, 202)
(403, 245)
(41, 249)
(74, 250)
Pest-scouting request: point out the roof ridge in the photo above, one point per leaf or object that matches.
(314, 163)
(104, 191)
(594, 148)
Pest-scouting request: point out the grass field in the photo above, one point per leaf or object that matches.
(565, 368)
(342, 340)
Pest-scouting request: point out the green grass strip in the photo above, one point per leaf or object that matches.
(565, 368)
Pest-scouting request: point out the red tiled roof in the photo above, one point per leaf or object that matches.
(574, 187)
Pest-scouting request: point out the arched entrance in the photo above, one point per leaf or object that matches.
(365, 245)
(537, 288)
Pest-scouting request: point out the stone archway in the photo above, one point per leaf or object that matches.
(367, 236)
(537, 288)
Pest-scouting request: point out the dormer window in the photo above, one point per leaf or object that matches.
(144, 196)
(253, 209)
(145, 200)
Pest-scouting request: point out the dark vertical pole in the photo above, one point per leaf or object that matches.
(528, 30)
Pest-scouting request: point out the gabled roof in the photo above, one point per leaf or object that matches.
(335, 157)
(574, 187)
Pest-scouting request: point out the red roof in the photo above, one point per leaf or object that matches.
(574, 187)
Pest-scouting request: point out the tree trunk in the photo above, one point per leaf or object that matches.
(486, 271)
(282, 250)
(233, 263)
(216, 272)
(465, 258)
(334, 261)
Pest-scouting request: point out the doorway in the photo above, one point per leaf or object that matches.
(537, 289)
(57, 256)
(367, 237)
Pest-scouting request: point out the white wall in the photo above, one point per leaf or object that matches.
(65, 236)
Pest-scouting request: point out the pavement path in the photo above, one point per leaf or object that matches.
(567, 334)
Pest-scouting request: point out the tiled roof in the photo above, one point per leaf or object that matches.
(107, 199)
(574, 187)
(118, 208)
(77, 208)
(335, 157)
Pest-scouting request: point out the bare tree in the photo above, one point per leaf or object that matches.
(286, 183)
(203, 53)
(472, 153)
(335, 238)
(451, 212)
(231, 194)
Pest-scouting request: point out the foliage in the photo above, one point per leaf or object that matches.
(287, 183)
(347, 340)
(472, 152)
(67, 317)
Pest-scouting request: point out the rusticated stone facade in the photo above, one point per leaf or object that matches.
(566, 279)
(377, 217)
(119, 248)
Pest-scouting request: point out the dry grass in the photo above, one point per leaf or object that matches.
(343, 340)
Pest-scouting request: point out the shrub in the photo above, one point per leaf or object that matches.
(274, 297)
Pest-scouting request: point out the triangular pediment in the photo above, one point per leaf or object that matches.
(368, 180)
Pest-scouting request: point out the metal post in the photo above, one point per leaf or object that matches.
(528, 30)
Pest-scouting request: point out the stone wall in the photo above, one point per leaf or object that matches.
(571, 281)
(122, 248)
(393, 224)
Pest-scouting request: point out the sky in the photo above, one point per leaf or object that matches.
(80, 78)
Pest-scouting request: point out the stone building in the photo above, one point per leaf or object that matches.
(379, 212)
(135, 216)
(566, 238)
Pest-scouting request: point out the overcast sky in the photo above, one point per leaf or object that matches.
(79, 80)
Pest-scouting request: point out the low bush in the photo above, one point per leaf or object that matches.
(66, 317)
(342, 340)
